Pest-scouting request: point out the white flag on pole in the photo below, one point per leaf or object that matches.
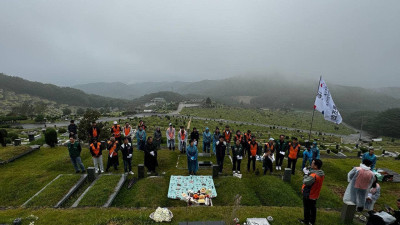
(324, 103)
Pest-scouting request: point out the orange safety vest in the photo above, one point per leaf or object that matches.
(117, 131)
(253, 148)
(95, 150)
(294, 151)
(127, 129)
(171, 133)
(316, 186)
(112, 150)
(183, 136)
(94, 132)
(227, 135)
(248, 136)
(239, 138)
(271, 147)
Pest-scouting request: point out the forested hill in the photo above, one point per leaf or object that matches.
(61, 95)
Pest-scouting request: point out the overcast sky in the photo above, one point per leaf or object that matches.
(72, 42)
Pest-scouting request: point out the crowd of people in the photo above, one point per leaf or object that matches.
(363, 188)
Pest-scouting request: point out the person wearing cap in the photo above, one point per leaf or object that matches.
(195, 136)
(206, 140)
(94, 132)
(228, 137)
(113, 147)
(215, 138)
(116, 132)
(281, 148)
(127, 151)
(192, 153)
(73, 130)
(269, 150)
(252, 153)
(293, 154)
(96, 152)
(182, 137)
(157, 137)
(128, 131)
(370, 156)
(237, 156)
(140, 138)
(315, 150)
(220, 152)
(171, 137)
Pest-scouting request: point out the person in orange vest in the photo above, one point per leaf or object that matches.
(294, 152)
(239, 137)
(116, 132)
(113, 147)
(142, 124)
(94, 132)
(312, 184)
(182, 136)
(252, 154)
(228, 136)
(247, 139)
(96, 151)
(269, 158)
(127, 131)
(171, 137)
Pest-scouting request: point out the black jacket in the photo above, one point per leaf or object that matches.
(73, 128)
(195, 135)
(220, 150)
(126, 150)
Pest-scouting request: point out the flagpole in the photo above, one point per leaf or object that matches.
(312, 119)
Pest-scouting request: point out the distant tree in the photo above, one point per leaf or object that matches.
(39, 118)
(3, 135)
(66, 111)
(86, 122)
(40, 108)
(80, 111)
(208, 101)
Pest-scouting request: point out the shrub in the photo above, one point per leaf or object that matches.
(62, 130)
(364, 149)
(335, 151)
(50, 136)
(3, 136)
(12, 136)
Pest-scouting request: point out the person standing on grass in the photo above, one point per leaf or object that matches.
(281, 147)
(195, 136)
(315, 150)
(360, 180)
(116, 132)
(269, 158)
(113, 147)
(247, 139)
(239, 137)
(252, 154)
(216, 136)
(206, 140)
(171, 137)
(128, 131)
(96, 151)
(94, 132)
(150, 156)
(157, 138)
(312, 184)
(228, 137)
(220, 152)
(370, 156)
(74, 149)
(192, 153)
(127, 151)
(237, 156)
(294, 152)
(182, 137)
(373, 195)
(141, 138)
(73, 129)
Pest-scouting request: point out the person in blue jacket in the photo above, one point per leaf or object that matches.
(370, 156)
(215, 138)
(307, 156)
(315, 150)
(192, 153)
(206, 140)
(141, 138)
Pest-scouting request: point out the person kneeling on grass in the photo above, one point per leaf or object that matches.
(192, 153)
(113, 147)
(74, 148)
(95, 150)
(127, 152)
(312, 184)
(150, 156)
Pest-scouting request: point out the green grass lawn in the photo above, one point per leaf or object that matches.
(55, 191)
(99, 193)
(8, 152)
